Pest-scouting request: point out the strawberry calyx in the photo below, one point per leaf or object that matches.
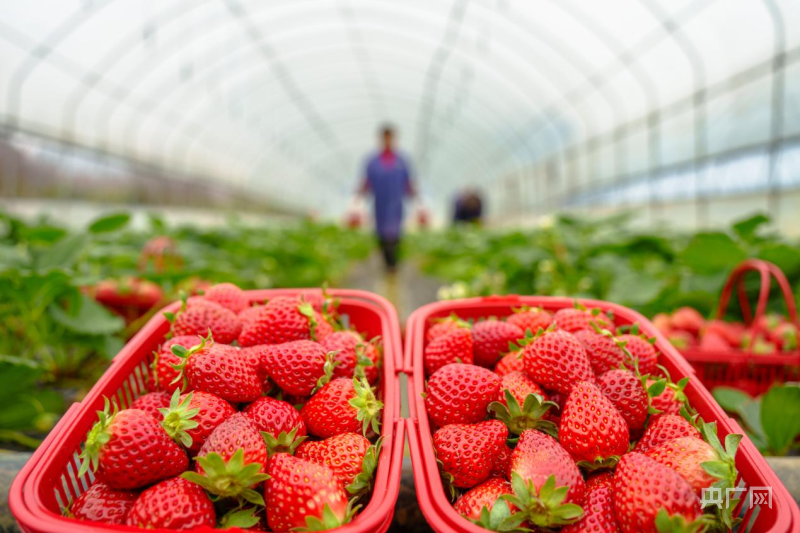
(329, 519)
(529, 338)
(362, 484)
(283, 443)
(367, 404)
(662, 383)
(495, 520)
(178, 418)
(362, 361)
(542, 508)
(185, 354)
(239, 517)
(530, 416)
(307, 310)
(723, 469)
(327, 371)
(600, 463)
(229, 479)
(172, 316)
(459, 322)
(666, 523)
(97, 437)
(447, 480)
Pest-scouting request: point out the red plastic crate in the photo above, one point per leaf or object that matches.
(48, 482)
(742, 369)
(782, 517)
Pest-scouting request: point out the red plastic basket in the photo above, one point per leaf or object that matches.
(752, 373)
(783, 516)
(48, 482)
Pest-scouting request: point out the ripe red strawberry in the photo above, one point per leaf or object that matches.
(220, 370)
(490, 340)
(642, 351)
(172, 504)
(351, 351)
(448, 348)
(598, 510)
(127, 293)
(671, 399)
(556, 360)
(343, 453)
(200, 316)
(472, 502)
(283, 319)
(591, 429)
(444, 326)
(117, 437)
(342, 406)
(228, 296)
(530, 319)
(574, 319)
(151, 402)
(237, 432)
(460, 394)
(538, 466)
(520, 386)
(248, 314)
(298, 367)
(193, 417)
(665, 428)
(468, 451)
(163, 374)
(510, 362)
(688, 319)
(714, 341)
(275, 417)
(645, 489)
(603, 352)
(730, 333)
(502, 463)
(256, 358)
(626, 392)
(101, 503)
(302, 494)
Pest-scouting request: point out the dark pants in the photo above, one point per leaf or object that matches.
(389, 250)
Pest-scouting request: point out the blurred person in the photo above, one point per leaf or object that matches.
(468, 207)
(388, 178)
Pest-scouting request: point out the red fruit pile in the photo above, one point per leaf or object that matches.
(569, 427)
(687, 328)
(250, 407)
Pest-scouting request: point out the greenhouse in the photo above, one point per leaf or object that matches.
(445, 265)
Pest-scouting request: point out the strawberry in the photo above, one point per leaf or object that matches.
(192, 417)
(352, 352)
(151, 402)
(522, 405)
(556, 360)
(220, 370)
(172, 504)
(574, 319)
(714, 341)
(490, 340)
(101, 503)
(351, 457)
(274, 417)
(468, 451)
(443, 326)
(460, 394)
(625, 390)
(298, 367)
(599, 507)
(663, 323)
(502, 463)
(648, 496)
(644, 354)
(117, 437)
(530, 319)
(603, 352)
(483, 496)
(283, 319)
(342, 406)
(228, 296)
(302, 494)
(699, 462)
(520, 386)
(510, 362)
(198, 317)
(248, 314)
(538, 466)
(667, 397)
(591, 428)
(687, 319)
(730, 333)
(448, 348)
(664, 429)
(163, 374)
(232, 461)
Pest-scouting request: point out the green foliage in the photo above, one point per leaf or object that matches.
(606, 258)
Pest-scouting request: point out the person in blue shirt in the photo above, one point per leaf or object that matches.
(388, 178)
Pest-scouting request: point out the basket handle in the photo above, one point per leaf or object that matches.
(766, 270)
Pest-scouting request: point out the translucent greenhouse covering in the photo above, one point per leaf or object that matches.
(545, 105)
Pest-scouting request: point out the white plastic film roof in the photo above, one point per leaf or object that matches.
(283, 97)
